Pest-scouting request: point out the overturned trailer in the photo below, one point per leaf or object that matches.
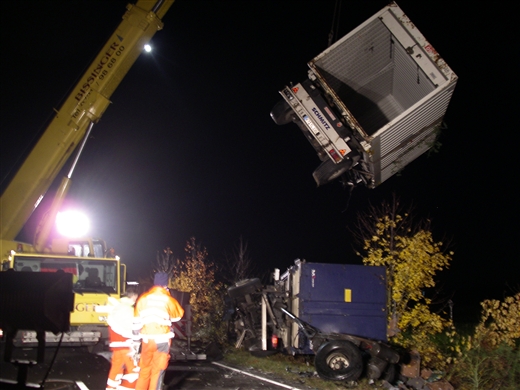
(374, 100)
(336, 312)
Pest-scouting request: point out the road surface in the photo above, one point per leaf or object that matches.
(76, 369)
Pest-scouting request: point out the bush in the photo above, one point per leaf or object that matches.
(490, 357)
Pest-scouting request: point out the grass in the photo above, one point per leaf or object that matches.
(297, 370)
(480, 368)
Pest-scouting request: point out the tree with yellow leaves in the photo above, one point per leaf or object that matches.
(489, 358)
(412, 259)
(196, 274)
(500, 322)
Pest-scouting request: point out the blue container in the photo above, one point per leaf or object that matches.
(344, 298)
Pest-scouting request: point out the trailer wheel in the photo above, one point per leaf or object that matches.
(328, 171)
(282, 113)
(244, 287)
(391, 373)
(339, 360)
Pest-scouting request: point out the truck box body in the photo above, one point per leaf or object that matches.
(339, 298)
(388, 85)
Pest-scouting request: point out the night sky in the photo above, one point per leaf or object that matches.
(188, 147)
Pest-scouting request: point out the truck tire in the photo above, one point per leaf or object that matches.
(339, 360)
(282, 113)
(391, 374)
(328, 171)
(244, 287)
(375, 368)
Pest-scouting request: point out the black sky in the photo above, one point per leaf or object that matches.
(188, 148)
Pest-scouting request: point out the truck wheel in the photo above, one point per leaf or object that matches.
(339, 360)
(391, 374)
(244, 287)
(328, 171)
(282, 113)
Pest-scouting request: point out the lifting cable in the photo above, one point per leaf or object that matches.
(333, 34)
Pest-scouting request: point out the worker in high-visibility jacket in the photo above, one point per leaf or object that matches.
(155, 312)
(123, 372)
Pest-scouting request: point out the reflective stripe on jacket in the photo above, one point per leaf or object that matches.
(120, 324)
(155, 311)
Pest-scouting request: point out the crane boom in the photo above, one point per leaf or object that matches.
(97, 276)
(85, 105)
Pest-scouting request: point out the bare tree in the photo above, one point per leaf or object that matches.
(239, 265)
(165, 261)
(366, 223)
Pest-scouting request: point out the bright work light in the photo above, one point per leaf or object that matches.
(72, 223)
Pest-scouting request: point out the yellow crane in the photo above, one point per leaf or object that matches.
(96, 277)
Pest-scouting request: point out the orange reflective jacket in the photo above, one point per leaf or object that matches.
(155, 311)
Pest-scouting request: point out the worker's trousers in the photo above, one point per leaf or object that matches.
(153, 363)
(122, 374)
